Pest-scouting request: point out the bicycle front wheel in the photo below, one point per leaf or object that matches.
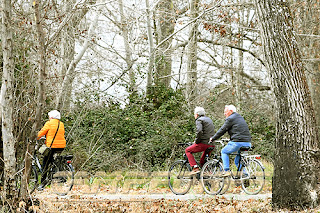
(62, 178)
(33, 180)
(252, 177)
(211, 177)
(179, 177)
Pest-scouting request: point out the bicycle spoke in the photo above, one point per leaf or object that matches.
(62, 179)
(210, 177)
(179, 178)
(252, 177)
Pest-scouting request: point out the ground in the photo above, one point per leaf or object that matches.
(89, 195)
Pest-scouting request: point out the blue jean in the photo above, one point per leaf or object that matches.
(230, 148)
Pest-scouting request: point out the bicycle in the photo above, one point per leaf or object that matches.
(250, 173)
(60, 175)
(179, 178)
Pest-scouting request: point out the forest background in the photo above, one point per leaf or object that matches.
(113, 118)
(126, 75)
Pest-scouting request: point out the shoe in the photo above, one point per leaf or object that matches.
(226, 173)
(195, 171)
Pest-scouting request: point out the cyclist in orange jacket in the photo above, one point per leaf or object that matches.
(54, 132)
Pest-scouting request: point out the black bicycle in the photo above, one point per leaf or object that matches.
(60, 176)
(249, 173)
(179, 178)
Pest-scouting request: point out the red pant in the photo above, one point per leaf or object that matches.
(194, 148)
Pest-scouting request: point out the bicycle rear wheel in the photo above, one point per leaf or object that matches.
(179, 177)
(252, 177)
(62, 178)
(211, 177)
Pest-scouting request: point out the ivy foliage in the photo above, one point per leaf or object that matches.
(144, 134)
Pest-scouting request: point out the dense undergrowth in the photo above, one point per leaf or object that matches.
(144, 133)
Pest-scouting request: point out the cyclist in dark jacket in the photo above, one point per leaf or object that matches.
(205, 129)
(239, 133)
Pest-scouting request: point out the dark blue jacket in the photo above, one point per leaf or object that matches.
(237, 128)
(205, 129)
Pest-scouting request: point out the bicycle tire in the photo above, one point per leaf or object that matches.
(32, 182)
(211, 177)
(62, 178)
(252, 177)
(34, 179)
(179, 178)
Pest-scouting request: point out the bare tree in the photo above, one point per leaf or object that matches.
(7, 104)
(69, 74)
(151, 48)
(128, 54)
(192, 52)
(296, 163)
(164, 25)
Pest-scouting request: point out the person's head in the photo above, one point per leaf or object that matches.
(229, 109)
(198, 111)
(54, 114)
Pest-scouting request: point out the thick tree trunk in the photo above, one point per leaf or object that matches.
(165, 27)
(307, 16)
(192, 53)
(296, 163)
(7, 91)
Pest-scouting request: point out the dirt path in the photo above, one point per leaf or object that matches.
(142, 196)
(160, 202)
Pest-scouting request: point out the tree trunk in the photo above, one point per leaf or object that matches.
(151, 50)
(307, 17)
(69, 75)
(296, 163)
(192, 54)
(124, 29)
(7, 91)
(67, 47)
(41, 51)
(165, 27)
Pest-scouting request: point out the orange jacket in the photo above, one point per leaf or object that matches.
(49, 130)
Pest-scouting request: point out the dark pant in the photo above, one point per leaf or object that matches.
(194, 148)
(47, 159)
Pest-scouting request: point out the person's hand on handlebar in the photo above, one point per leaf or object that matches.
(43, 137)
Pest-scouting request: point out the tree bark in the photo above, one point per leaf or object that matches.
(7, 91)
(192, 53)
(306, 20)
(151, 50)
(296, 163)
(41, 52)
(165, 27)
